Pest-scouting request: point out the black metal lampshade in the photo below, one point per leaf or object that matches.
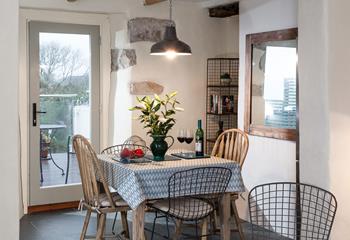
(170, 44)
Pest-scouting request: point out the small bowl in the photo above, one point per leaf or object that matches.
(133, 151)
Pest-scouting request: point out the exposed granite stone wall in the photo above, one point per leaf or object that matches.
(147, 29)
(123, 58)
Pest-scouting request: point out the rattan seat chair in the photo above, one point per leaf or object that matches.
(186, 191)
(287, 210)
(114, 150)
(91, 178)
(232, 144)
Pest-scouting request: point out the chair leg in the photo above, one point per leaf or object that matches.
(237, 220)
(101, 226)
(86, 224)
(197, 234)
(154, 225)
(213, 222)
(97, 220)
(114, 222)
(167, 226)
(124, 216)
(178, 225)
(67, 169)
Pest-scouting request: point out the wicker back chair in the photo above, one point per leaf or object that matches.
(92, 178)
(287, 210)
(232, 144)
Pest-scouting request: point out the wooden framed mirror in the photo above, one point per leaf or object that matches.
(271, 84)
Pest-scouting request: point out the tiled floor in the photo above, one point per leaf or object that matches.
(66, 225)
(53, 176)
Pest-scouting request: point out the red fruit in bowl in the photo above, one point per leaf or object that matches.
(139, 152)
(125, 153)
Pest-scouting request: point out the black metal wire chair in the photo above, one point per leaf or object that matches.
(187, 195)
(286, 210)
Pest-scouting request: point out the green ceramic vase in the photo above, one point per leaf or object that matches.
(159, 146)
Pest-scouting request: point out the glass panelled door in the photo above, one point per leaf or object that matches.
(64, 97)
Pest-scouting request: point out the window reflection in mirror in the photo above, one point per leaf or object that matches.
(274, 84)
(271, 84)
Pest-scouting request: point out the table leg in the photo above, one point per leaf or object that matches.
(204, 229)
(138, 222)
(225, 216)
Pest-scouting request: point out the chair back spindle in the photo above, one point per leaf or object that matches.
(90, 172)
(232, 144)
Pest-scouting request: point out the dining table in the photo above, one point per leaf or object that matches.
(138, 183)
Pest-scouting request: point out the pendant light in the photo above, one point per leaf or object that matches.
(170, 46)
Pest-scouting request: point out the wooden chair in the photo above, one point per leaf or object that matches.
(116, 149)
(94, 201)
(232, 144)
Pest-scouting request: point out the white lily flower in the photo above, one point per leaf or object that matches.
(162, 120)
(179, 109)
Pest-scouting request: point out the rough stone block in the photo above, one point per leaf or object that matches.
(123, 58)
(145, 88)
(147, 29)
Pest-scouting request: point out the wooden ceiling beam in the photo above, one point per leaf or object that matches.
(150, 2)
(224, 10)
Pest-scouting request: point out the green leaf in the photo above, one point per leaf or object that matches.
(135, 108)
(157, 107)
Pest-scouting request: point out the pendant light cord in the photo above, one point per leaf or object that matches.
(171, 12)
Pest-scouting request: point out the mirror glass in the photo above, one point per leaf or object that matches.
(274, 71)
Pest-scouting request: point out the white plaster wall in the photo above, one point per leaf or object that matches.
(324, 96)
(313, 98)
(339, 112)
(268, 159)
(9, 141)
(325, 112)
(231, 37)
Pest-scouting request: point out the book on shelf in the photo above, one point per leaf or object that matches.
(224, 104)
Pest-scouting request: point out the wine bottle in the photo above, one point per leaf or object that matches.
(199, 140)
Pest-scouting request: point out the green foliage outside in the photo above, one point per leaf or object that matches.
(64, 84)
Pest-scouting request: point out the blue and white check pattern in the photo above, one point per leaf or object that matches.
(145, 181)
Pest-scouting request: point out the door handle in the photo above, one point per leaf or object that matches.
(35, 112)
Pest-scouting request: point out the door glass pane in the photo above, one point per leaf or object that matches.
(65, 73)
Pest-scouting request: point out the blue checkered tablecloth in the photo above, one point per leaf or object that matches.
(145, 181)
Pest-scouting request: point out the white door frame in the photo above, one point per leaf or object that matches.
(27, 15)
(70, 192)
